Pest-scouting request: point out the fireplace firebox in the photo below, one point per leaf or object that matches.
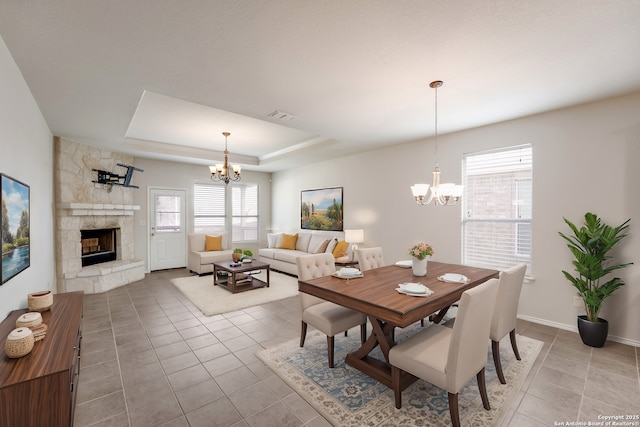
(98, 246)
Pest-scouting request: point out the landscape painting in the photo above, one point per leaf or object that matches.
(14, 223)
(321, 209)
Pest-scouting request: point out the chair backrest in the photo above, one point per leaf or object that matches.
(310, 267)
(369, 258)
(470, 335)
(506, 309)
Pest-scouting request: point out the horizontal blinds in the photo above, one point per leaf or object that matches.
(496, 225)
(245, 217)
(209, 207)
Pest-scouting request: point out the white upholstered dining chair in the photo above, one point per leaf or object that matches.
(505, 313)
(329, 318)
(450, 357)
(369, 258)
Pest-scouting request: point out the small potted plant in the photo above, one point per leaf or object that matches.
(241, 254)
(419, 254)
(589, 246)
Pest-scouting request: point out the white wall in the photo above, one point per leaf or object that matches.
(173, 175)
(585, 159)
(26, 147)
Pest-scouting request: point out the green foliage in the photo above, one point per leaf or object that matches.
(245, 252)
(21, 241)
(7, 247)
(589, 246)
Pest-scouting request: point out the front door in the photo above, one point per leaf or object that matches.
(167, 237)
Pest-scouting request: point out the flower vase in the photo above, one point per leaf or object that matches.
(419, 266)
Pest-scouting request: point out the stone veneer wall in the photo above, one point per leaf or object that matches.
(81, 205)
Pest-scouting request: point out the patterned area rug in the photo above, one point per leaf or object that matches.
(347, 397)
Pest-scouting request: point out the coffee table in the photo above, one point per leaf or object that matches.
(236, 281)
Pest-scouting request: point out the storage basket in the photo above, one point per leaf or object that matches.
(29, 320)
(19, 343)
(40, 301)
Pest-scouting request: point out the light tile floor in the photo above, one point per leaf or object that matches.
(150, 358)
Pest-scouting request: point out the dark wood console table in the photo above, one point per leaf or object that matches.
(39, 389)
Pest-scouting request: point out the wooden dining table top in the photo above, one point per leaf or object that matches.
(375, 292)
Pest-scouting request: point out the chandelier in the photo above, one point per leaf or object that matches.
(446, 194)
(221, 171)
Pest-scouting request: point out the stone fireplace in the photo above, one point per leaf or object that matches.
(94, 223)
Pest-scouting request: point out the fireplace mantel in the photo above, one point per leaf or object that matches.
(97, 209)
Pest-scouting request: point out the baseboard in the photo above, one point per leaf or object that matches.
(621, 340)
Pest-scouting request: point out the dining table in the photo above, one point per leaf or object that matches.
(375, 294)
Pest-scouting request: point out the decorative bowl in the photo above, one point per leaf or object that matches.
(29, 320)
(19, 343)
(40, 301)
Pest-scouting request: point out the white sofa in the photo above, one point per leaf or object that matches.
(308, 242)
(201, 261)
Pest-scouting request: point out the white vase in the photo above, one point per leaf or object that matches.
(419, 266)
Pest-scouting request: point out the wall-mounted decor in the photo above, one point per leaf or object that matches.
(109, 179)
(14, 223)
(321, 209)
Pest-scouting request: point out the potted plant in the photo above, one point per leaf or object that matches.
(589, 246)
(240, 254)
(420, 253)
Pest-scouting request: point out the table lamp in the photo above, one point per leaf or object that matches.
(353, 237)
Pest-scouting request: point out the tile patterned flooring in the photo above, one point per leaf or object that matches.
(150, 358)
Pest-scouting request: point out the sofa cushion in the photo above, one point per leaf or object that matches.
(322, 247)
(287, 255)
(267, 252)
(288, 241)
(302, 244)
(214, 256)
(213, 243)
(331, 245)
(273, 240)
(340, 249)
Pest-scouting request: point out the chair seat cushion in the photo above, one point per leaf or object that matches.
(425, 355)
(332, 319)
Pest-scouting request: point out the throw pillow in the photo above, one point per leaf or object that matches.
(331, 245)
(288, 241)
(322, 247)
(213, 243)
(341, 249)
(272, 239)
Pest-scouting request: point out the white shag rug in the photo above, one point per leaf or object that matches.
(213, 300)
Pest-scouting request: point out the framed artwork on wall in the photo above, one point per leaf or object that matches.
(321, 209)
(14, 224)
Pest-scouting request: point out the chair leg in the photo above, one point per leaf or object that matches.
(346, 334)
(482, 385)
(395, 383)
(453, 409)
(422, 322)
(363, 333)
(330, 343)
(303, 333)
(495, 350)
(514, 344)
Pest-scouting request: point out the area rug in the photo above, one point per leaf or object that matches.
(213, 300)
(347, 397)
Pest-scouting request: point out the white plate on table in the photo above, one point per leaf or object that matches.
(454, 278)
(339, 275)
(404, 264)
(414, 289)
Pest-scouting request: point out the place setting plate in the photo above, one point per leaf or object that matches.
(414, 289)
(348, 273)
(454, 278)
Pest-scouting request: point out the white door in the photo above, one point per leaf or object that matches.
(167, 238)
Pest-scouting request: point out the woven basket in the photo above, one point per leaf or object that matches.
(19, 343)
(29, 320)
(40, 301)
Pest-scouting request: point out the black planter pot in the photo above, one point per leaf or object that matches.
(593, 334)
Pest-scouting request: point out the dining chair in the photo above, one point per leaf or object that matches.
(449, 357)
(505, 313)
(369, 258)
(329, 318)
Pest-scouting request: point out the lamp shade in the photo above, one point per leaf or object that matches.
(354, 236)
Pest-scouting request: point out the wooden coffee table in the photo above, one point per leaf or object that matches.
(236, 280)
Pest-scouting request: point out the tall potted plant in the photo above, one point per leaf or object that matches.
(589, 246)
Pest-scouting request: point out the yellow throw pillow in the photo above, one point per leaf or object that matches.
(288, 241)
(341, 249)
(213, 243)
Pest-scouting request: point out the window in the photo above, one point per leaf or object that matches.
(245, 212)
(167, 213)
(497, 208)
(209, 207)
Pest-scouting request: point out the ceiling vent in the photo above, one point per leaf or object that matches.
(282, 116)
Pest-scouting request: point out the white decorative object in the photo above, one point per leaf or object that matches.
(419, 266)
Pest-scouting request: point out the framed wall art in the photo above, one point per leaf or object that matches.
(14, 224)
(321, 209)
